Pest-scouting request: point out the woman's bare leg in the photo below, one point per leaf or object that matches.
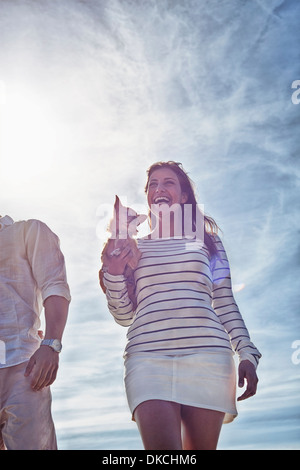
(201, 428)
(159, 424)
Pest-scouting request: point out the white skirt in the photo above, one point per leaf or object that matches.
(204, 380)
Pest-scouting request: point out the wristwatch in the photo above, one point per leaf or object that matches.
(55, 344)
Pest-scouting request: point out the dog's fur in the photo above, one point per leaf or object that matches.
(124, 224)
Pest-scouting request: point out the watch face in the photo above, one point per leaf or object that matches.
(56, 345)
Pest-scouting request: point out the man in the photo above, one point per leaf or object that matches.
(32, 276)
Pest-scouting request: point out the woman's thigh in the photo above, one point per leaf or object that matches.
(200, 428)
(159, 424)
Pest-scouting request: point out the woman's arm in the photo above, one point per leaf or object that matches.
(224, 305)
(228, 312)
(118, 301)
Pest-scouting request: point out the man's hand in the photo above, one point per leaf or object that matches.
(247, 371)
(42, 367)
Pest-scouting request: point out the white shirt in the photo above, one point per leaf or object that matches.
(32, 268)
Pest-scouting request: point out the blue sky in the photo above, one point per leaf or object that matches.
(94, 92)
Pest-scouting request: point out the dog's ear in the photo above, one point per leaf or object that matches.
(118, 205)
(117, 202)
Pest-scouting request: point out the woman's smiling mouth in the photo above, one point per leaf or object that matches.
(161, 200)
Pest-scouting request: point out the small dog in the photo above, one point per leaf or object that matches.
(123, 226)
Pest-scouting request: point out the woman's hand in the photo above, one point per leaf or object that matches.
(117, 264)
(247, 371)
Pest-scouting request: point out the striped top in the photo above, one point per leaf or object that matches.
(185, 302)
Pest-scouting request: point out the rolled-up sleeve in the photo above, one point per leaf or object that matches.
(46, 260)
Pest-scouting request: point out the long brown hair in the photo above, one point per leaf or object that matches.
(187, 186)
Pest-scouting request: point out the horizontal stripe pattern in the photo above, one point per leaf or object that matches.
(185, 302)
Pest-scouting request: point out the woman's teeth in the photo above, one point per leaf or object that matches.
(161, 199)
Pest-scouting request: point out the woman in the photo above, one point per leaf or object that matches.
(179, 368)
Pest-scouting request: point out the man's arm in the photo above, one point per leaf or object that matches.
(43, 364)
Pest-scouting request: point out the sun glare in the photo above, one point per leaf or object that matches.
(238, 287)
(27, 137)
